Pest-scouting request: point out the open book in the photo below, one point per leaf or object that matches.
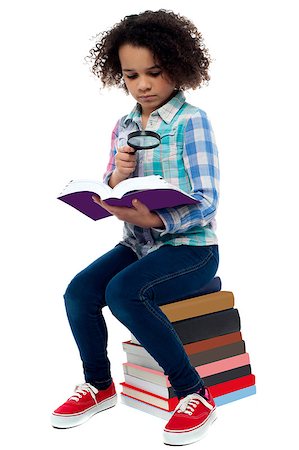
(152, 190)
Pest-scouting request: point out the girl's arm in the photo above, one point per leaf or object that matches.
(201, 163)
(122, 161)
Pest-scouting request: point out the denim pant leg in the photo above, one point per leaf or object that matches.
(163, 276)
(84, 300)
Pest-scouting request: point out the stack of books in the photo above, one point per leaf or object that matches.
(210, 330)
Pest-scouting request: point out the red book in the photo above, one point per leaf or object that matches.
(169, 404)
(232, 385)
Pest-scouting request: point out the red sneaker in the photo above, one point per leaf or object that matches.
(84, 403)
(190, 420)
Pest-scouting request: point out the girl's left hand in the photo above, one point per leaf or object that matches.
(138, 215)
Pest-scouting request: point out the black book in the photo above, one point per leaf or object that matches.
(228, 375)
(208, 326)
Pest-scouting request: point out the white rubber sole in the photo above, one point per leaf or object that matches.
(73, 420)
(189, 437)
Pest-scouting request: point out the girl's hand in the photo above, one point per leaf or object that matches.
(125, 162)
(139, 215)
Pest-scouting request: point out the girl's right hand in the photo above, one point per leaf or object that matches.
(125, 162)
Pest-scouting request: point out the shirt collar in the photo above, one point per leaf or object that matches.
(166, 112)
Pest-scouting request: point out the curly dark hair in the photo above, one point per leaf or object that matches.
(176, 44)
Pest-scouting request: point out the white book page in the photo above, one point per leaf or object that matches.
(102, 189)
(129, 185)
(142, 183)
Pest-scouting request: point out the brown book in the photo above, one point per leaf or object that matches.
(138, 355)
(218, 353)
(194, 347)
(208, 344)
(198, 306)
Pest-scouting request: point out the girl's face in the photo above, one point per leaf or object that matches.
(144, 79)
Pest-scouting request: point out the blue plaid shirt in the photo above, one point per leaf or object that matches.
(187, 157)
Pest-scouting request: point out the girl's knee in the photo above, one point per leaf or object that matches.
(73, 295)
(112, 296)
(119, 300)
(78, 300)
(74, 290)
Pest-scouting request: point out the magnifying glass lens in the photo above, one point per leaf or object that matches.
(143, 140)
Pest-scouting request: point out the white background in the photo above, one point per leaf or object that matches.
(56, 125)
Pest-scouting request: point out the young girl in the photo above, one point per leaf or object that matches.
(165, 255)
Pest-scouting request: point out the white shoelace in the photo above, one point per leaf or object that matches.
(188, 404)
(83, 389)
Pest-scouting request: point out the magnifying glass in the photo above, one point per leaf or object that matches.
(143, 140)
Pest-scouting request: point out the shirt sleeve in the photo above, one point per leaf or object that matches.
(113, 150)
(200, 157)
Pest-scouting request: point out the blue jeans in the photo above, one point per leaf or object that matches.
(133, 289)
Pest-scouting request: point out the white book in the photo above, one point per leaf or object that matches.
(150, 375)
(134, 340)
(135, 349)
(153, 388)
(148, 362)
(144, 407)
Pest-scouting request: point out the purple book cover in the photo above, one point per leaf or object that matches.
(152, 198)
